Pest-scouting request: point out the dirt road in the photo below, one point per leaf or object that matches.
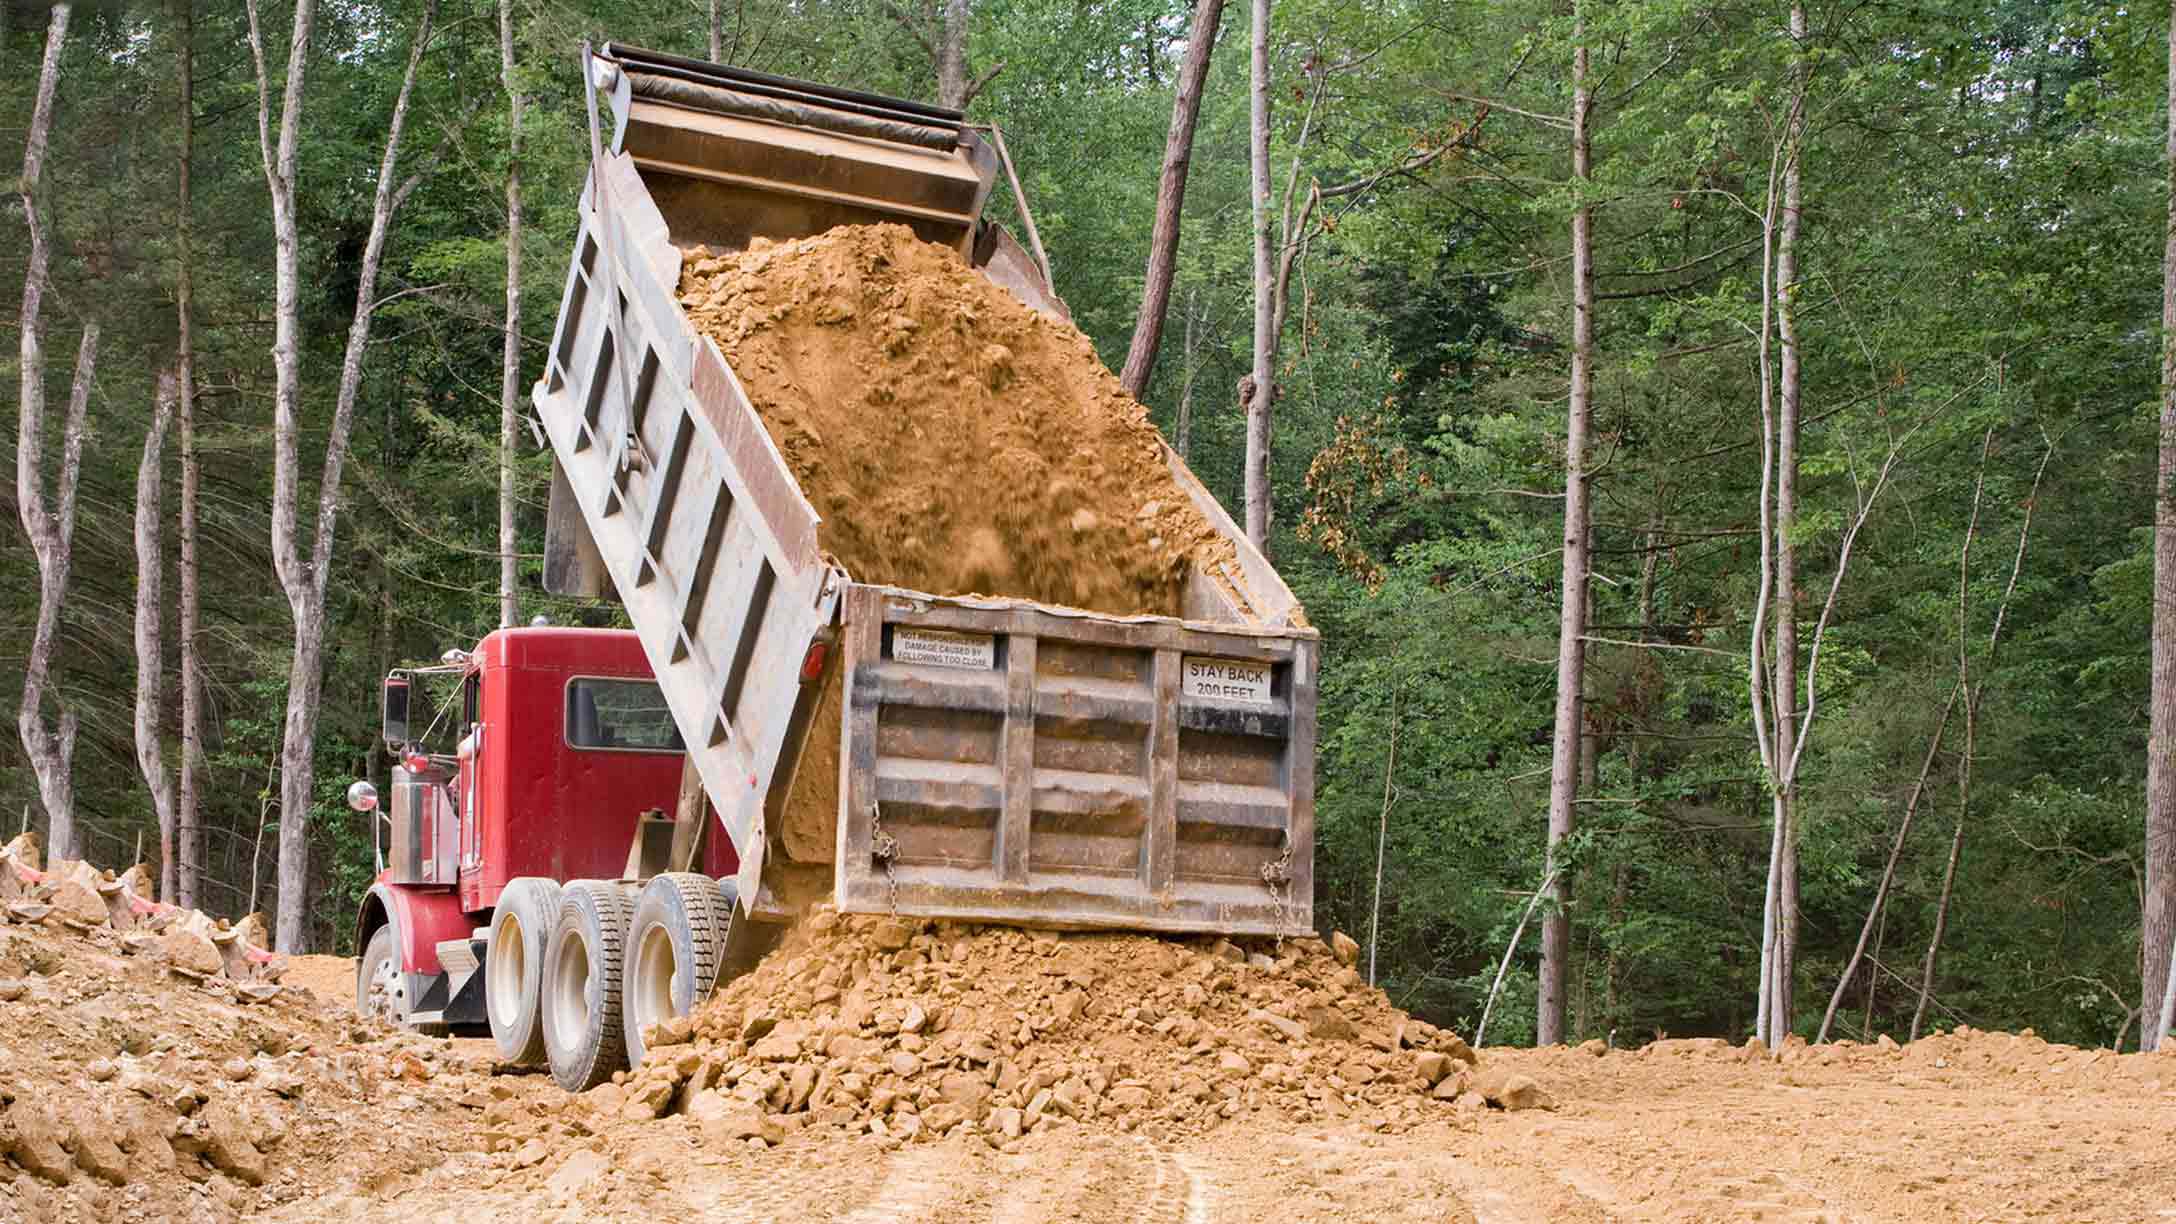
(1676, 1134)
(129, 1092)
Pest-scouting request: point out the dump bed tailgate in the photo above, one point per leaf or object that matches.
(1014, 762)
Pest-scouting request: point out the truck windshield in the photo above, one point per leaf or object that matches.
(625, 714)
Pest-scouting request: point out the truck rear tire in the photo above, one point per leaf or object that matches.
(583, 1035)
(675, 945)
(514, 956)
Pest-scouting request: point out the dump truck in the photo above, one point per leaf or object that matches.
(600, 847)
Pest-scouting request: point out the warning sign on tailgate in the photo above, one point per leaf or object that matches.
(941, 648)
(1224, 679)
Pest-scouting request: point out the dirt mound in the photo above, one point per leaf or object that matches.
(1961, 1055)
(953, 440)
(909, 1029)
(155, 1067)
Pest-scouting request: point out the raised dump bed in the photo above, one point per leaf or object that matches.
(997, 759)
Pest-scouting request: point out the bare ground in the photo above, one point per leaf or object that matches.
(354, 1124)
(1677, 1134)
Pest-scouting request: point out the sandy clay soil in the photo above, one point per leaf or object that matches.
(131, 1093)
(1678, 1134)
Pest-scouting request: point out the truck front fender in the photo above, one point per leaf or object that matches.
(421, 916)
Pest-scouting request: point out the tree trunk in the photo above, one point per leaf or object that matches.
(1556, 924)
(2157, 928)
(510, 353)
(304, 582)
(1163, 245)
(2162, 1043)
(50, 528)
(52, 753)
(183, 878)
(1775, 682)
(150, 562)
(1260, 390)
(952, 56)
(1785, 710)
(717, 36)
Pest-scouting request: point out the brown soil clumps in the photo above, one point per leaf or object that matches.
(138, 1084)
(953, 440)
(907, 1030)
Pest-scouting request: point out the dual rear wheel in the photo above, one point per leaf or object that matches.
(577, 974)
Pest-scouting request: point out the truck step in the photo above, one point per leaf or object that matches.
(460, 957)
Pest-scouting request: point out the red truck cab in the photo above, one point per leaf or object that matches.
(559, 742)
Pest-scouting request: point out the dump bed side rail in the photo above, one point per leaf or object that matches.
(1010, 762)
(694, 514)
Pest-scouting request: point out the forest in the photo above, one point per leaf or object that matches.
(1717, 442)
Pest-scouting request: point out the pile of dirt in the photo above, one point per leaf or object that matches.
(154, 1073)
(1959, 1055)
(907, 1030)
(954, 440)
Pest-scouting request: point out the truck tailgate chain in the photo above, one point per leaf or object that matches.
(1277, 875)
(885, 848)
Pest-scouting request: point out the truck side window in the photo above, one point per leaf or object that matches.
(626, 714)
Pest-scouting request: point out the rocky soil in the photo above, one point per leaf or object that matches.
(132, 1088)
(878, 1070)
(908, 1030)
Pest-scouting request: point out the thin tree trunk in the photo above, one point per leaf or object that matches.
(51, 528)
(1556, 923)
(1190, 365)
(2157, 928)
(1876, 911)
(510, 353)
(1783, 963)
(717, 34)
(1382, 833)
(1260, 390)
(304, 582)
(183, 878)
(150, 563)
(1949, 872)
(1972, 696)
(1480, 1030)
(1163, 245)
(1866, 1030)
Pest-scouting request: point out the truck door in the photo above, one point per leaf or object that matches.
(470, 784)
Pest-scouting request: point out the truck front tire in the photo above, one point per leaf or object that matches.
(675, 944)
(583, 1032)
(514, 959)
(381, 989)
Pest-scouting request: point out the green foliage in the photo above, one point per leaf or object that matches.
(1983, 189)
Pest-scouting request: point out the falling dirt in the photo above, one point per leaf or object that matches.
(953, 440)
